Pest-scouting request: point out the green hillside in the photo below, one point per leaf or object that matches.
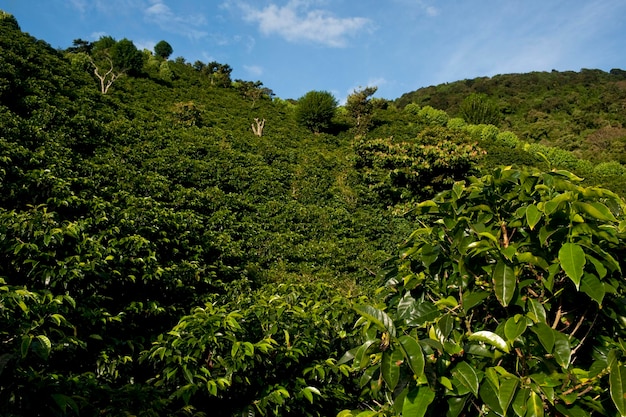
(175, 242)
(583, 112)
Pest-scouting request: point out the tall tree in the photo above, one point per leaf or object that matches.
(126, 57)
(111, 59)
(359, 107)
(315, 110)
(478, 109)
(163, 49)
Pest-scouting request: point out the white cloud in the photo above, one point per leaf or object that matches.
(97, 35)
(419, 7)
(80, 5)
(431, 11)
(141, 45)
(297, 22)
(253, 70)
(160, 14)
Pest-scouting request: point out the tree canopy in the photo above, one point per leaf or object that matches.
(163, 49)
(316, 110)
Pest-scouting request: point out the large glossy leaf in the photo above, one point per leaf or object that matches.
(472, 299)
(572, 259)
(595, 210)
(456, 406)
(491, 339)
(43, 347)
(533, 215)
(413, 353)
(519, 404)
(417, 401)
(617, 383)
(529, 258)
(506, 393)
(562, 349)
(534, 405)
(593, 287)
(504, 283)
(515, 327)
(425, 312)
(536, 311)
(378, 318)
(489, 396)
(390, 367)
(465, 374)
(406, 306)
(546, 336)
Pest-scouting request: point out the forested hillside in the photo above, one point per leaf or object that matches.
(175, 242)
(583, 112)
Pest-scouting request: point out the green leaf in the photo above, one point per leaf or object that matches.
(417, 401)
(562, 349)
(26, 339)
(536, 312)
(600, 268)
(506, 393)
(390, 367)
(572, 259)
(491, 339)
(533, 215)
(593, 287)
(188, 375)
(519, 404)
(617, 386)
(378, 317)
(514, 327)
(596, 210)
(456, 406)
(309, 391)
(44, 346)
(425, 312)
(466, 376)
(472, 299)
(504, 283)
(63, 401)
(535, 405)
(414, 355)
(490, 397)
(406, 306)
(529, 258)
(546, 336)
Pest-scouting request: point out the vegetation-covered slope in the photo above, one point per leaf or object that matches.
(174, 242)
(583, 112)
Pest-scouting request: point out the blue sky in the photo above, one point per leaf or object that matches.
(295, 46)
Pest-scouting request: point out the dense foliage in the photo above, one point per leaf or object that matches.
(173, 242)
(509, 300)
(316, 110)
(582, 112)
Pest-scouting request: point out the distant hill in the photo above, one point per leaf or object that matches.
(583, 112)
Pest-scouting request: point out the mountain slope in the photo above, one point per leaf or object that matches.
(583, 112)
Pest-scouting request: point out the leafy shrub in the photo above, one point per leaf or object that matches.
(478, 109)
(432, 117)
(456, 123)
(263, 353)
(412, 108)
(403, 171)
(507, 139)
(508, 301)
(607, 169)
